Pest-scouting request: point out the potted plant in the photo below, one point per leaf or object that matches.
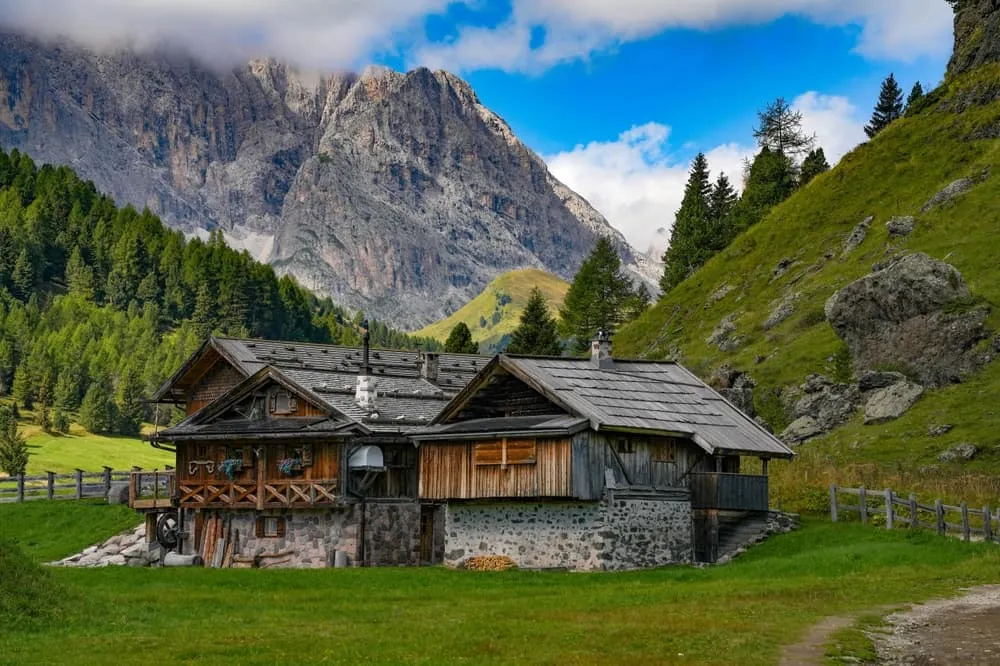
(231, 467)
(289, 466)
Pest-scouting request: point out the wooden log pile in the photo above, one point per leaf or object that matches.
(490, 563)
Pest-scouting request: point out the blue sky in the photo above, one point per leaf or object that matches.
(616, 95)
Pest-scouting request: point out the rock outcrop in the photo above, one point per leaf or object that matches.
(397, 193)
(916, 313)
(857, 236)
(891, 402)
(950, 192)
(824, 406)
(977, 35)
(901, 226)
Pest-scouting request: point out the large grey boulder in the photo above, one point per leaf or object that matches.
(781, 310)
(827, 403)
(915, 313)
(857, 236)
(118, 492)
(953, 190)
(873, 380)
(891, 402)
(801, 429)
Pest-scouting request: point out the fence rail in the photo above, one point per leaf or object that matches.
(52, 486)
(898, 510)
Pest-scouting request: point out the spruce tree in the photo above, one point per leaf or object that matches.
(97, 412)
(204, 315)
(814, 164)
(79, 276)
(24, 385)
(13, 447)
(770, 180)
(23, 277)
(690, 236)
(779, 129)
(888, 109)
(597, 299)
(722, 200)
(916, 94)
(536, 334)
(128, 400)
(460, 340)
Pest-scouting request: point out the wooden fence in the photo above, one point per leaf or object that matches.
(52, 486)
(879, 505)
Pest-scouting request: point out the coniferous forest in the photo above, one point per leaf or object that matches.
(99, 304)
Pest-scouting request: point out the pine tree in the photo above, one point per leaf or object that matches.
(779, 129)
(916, 94)
(722, 200)
(888, 109)
(814, 164)
(597, 299)
(67, 391)
(204, 317)
(128, 399)
(79, 276)
(13, 447)
(460, 340)
(24, 385)
(23, 277)
(60, 421)
(690, 235)
(536, 333)
(97, 413)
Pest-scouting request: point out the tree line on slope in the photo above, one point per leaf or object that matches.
(711, 214)
(100, 304)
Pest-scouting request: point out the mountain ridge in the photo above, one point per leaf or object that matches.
(396, 193)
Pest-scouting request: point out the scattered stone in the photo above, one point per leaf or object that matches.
(873, 380)
(781, 310)
(857, 236)
(964, 451)
(800, 430)
(126, 548)
(118, 492)
(783, 266)
(815, 383)
(722, 337)
(719, 294)
(958, 188)
(904, 315)
(830, 406)
(892, 402)
(901, 226)
(90, 550)
(732, 344)
(934, 430)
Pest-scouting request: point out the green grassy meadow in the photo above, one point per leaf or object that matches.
(739, 613)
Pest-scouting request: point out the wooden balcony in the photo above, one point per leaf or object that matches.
(151, 490)
(272, 494)
(729, 492)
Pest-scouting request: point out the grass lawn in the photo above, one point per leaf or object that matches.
(47, 531)
(89, 452)
(740, 613)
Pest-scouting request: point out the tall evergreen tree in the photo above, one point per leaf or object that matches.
(23, 277)
(888, 109)
(13, 447)
(779, 129)
(98, 413)
(597, 299)
(690, 236)
(536, 333)
(24, 385)
(722, 200)
(916, 94)
(460, 340)
(769, 181)
(79, 276)
(128, 399)
(813, 165)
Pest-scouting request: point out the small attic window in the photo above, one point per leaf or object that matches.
(283, 402)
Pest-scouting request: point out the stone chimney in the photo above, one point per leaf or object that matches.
(365, 392)
(429, 367)
(600, 351)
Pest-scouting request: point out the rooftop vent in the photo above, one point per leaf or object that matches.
(600, 351)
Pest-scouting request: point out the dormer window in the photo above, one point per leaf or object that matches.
(283, 403)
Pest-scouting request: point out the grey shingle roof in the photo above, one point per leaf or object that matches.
(646, 395)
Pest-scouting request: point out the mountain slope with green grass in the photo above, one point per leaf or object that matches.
(796, 254)
(494, 314)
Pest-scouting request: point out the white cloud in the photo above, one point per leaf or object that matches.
(327, 34)
(637, 182)
(574, 29)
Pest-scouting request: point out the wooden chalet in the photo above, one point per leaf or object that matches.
(298, 454)
(587, 463)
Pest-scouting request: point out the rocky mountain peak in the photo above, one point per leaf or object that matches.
(396, 193)
(977, 35)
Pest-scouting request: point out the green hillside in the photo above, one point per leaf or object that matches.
(893, 175)
(495, 312)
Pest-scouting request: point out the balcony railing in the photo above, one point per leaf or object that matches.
(282, 494)
(729, 492)
(151, 490)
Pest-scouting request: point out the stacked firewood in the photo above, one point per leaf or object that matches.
(490, 563)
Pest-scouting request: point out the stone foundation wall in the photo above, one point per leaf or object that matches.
(392, 533)
(617, 533)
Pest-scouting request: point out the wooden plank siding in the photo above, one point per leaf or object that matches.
(448, 470)
(325, 460)
(216, 381)
(638, 460)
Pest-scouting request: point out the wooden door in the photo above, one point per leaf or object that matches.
(427, 533)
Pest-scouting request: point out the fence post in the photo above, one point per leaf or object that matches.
(79, 484)
(20, 487)
(914, 521)
(107, 480)
(833, 502)
(987, 524)
(863, 497)
(939, 510)
(889, 513)
(52, 484)
(965, 522)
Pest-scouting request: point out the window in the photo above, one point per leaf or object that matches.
(283, 402)
(624, 445)
(506, 452)
(269, 527)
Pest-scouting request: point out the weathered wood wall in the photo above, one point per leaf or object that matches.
(638, 460)
(325, 460)
(448, 470)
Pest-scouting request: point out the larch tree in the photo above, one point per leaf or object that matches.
(597, 299)
(460, 340)
(779, 129)
(813, 165)
(888, 109)
(689, 238)
(536, 333)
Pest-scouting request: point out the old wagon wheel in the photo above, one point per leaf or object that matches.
(166, 529)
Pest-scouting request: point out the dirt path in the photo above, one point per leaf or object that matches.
(963, 630)
(811, 648)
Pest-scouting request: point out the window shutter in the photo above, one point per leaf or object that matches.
(247, 456)
(280, 532)
(258, 528)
